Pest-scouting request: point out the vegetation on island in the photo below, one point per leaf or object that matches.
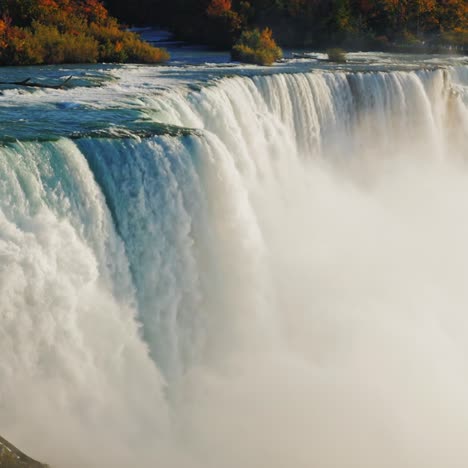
(258, 47)
(336, 55)
(321, 24)
(67, 31)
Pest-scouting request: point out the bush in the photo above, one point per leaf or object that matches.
(138, 51)
(19, 47)
(257, 47)
(407, 38)
(116, 45)
(380, 43)
(457, 37)
(64, 48)
(336, 55)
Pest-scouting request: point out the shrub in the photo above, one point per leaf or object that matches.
(80, 49)
(104, 33)
(116, 45)
(256, 47)
(64, 48)
(19, 47)
(138, 51)
(407, 38)
(336, 55)
(380, 42)
(457, 37)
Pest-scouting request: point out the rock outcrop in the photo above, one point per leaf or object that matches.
(11, 457)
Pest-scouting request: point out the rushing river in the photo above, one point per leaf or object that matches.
(209, 265)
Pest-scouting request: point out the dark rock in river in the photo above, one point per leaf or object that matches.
(11, 457)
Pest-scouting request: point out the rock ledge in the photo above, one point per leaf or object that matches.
(11, 457)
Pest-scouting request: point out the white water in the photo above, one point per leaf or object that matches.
(283, 288)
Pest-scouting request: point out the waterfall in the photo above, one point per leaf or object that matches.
(282, 283)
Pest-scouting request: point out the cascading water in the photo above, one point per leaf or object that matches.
(282, 286)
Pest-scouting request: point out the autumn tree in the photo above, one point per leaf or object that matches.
(225, 23)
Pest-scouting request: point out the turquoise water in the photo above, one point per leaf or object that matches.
(111, 98)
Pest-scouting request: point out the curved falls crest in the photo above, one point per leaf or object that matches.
(283, 287)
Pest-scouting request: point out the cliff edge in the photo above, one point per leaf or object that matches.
(11, 457)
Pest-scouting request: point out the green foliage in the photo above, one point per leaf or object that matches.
(336, 55)
(57, 47)
(457, 38)
(116, 45)
(257, 47)
(408, 38)
(67, 31)
(137, 51)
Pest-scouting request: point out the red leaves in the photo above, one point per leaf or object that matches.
(94, 11)
(219, 7)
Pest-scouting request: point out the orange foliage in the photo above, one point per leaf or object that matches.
(94, 10)
(219, 7)
(256, 47)
(3, 30)
(47, 4)
(70, 31)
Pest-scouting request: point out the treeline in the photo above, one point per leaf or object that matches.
(67, 31)
(311, 23)
(78, 31)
